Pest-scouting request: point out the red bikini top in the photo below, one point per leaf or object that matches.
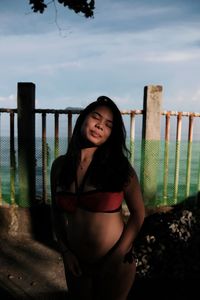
(95, 201)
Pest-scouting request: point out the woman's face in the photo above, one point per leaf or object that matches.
(97, 126)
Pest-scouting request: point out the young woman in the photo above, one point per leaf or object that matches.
(88, 185)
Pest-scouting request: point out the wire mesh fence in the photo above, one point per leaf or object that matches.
(173, 162)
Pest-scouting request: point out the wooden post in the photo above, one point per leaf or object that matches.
(26, 143)
(151, 142)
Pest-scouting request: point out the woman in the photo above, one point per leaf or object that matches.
(88, 185)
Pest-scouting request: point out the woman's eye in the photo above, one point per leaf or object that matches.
(96, 117)
(109, 125)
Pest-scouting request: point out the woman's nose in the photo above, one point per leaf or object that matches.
(99, 126)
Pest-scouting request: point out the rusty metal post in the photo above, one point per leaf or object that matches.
(132, 136)
(189, 155)
(69, 126)
(166, 158)
(12, 159)
(44, 158)
(177, 156)
(56, 135)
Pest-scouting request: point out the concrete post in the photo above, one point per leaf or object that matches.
(152, 106)
(26, 143)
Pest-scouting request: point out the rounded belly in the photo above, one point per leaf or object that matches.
(92, 235)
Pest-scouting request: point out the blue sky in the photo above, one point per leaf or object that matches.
(126, 46)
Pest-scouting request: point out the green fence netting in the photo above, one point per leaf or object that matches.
(169, 172)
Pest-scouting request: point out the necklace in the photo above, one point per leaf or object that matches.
(85, 163)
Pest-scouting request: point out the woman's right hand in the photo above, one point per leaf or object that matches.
(71, 263)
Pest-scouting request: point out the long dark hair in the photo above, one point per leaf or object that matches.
(110, 168)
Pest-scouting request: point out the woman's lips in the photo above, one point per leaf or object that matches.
(95, 134)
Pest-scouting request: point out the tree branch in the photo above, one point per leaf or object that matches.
(78, 6)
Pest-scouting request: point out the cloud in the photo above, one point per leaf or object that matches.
(126, 46)
(195, 98)
(8, 101)
(178, 56)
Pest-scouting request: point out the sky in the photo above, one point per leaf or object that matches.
(128, 45)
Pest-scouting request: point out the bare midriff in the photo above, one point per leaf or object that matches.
(91, 235)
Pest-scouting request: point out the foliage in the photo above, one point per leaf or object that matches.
(168, 245)
(78, 6)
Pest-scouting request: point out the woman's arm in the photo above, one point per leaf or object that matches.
(57, 218)
(135, 204)
(59, 224)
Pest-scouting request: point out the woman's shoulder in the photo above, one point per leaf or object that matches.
(56, 169)
(57, 163)
(60, 159)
